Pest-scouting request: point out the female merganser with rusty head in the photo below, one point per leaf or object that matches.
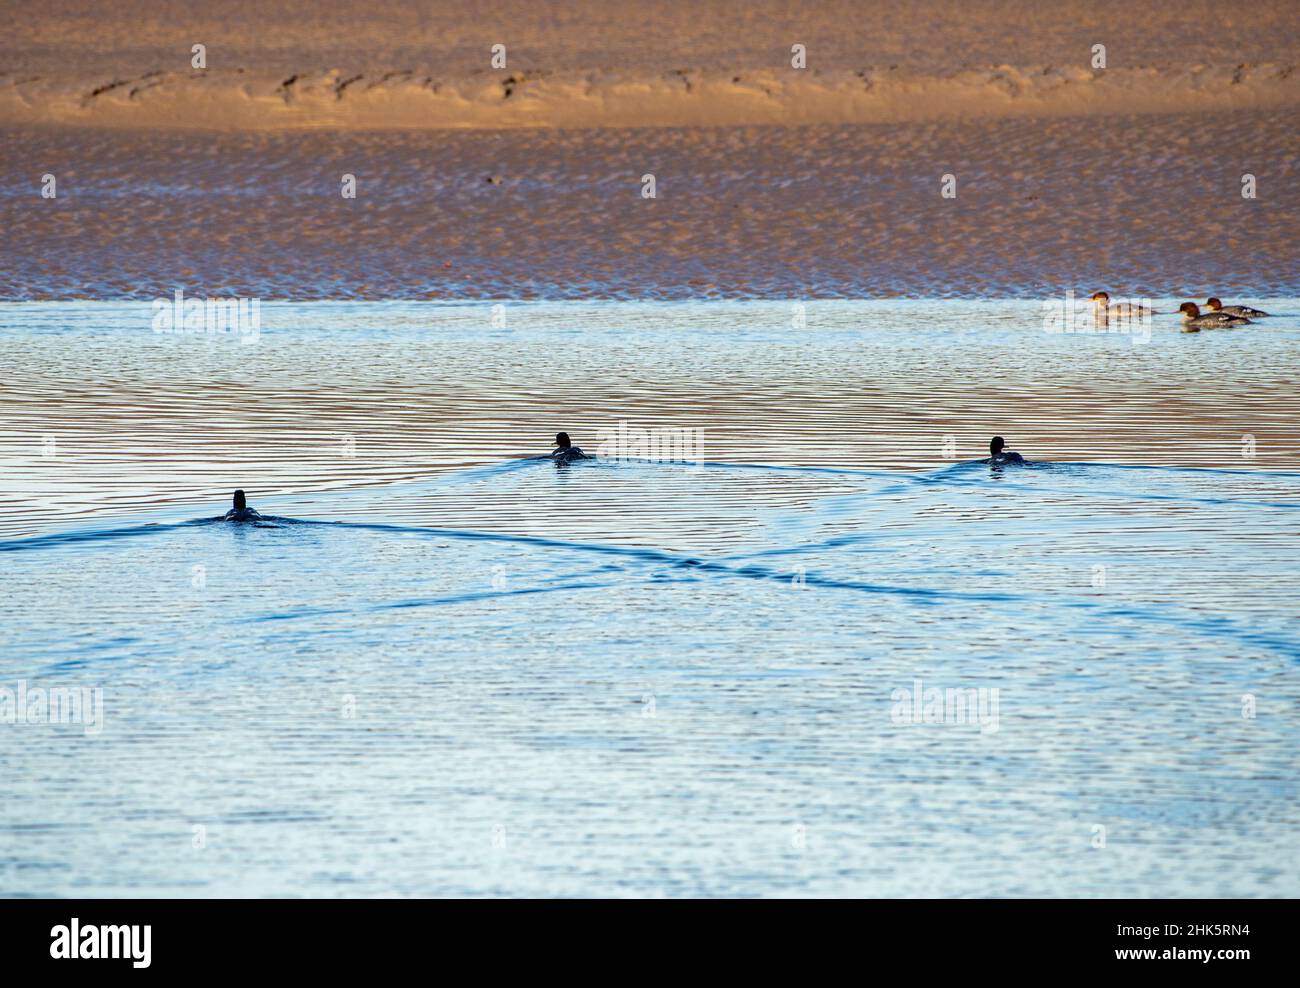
(1194, 321)
(1244, 311)
(1120, 310)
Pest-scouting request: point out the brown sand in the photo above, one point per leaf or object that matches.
(771, 180)
(427, 64)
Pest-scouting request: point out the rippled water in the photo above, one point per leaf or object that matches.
(99, 414)
(441, 668)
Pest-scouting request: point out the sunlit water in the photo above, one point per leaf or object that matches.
(440, 668)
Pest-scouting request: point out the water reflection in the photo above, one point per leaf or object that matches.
(446, 668)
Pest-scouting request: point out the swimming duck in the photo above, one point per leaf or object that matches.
(1214, 305)
(1121, 310)
(241, 511)
(565, 451)
(998, 455)
(1194, 322)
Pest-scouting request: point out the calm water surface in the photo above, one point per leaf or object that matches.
(440, 668)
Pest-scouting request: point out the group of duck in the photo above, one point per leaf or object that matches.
(1219, 316)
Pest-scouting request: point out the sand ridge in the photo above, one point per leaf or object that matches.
(402, 99)
(427, 65)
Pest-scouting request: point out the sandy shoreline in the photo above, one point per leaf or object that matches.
(430, 65)
(406, 100)
(525, 180)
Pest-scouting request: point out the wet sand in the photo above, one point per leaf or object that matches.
(525, 180)
(1142, 205)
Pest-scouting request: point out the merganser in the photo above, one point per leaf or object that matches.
(1193, 321)
(1121, 310)
(998, 455)
(241, 511)
(565, 451)
(1214, 305)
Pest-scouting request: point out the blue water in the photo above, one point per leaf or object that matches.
(678, 708)
(641, 678)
